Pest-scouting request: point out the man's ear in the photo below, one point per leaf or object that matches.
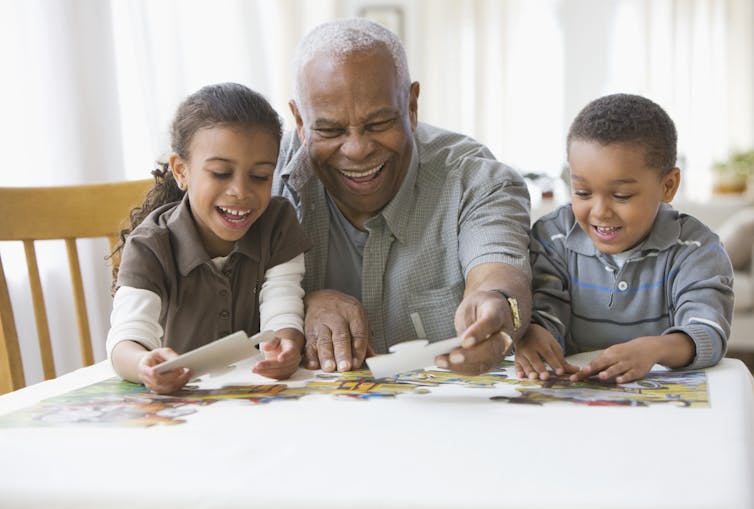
(670, 183)
(413, 104)
(179, 170)
(299, 121)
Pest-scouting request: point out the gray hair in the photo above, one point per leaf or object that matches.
(340, 38)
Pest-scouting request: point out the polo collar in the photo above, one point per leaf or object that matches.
(189, 249)
(398, 211)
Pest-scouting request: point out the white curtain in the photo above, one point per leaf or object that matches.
(90, 86)
(60, 126)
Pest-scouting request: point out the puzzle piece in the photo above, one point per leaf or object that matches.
(218, 356)
(416, 354)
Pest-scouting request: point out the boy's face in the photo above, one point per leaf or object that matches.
(228, 178)
(615, 195)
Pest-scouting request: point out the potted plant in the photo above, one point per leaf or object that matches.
(733, 175)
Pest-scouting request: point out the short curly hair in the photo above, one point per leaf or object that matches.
(633, 119)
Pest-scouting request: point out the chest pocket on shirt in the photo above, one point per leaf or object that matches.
(434, 311)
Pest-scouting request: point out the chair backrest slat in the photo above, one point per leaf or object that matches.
(11, 368)
(40, 311)
(82, 318)
(57, 213)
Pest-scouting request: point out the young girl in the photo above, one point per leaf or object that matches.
(209, 252)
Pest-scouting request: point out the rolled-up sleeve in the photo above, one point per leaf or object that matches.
(494, 215)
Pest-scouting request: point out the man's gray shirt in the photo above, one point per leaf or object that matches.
(457, 208)
(345, 253)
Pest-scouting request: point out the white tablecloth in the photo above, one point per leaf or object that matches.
(452, 448)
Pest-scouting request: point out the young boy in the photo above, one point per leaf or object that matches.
(619, 269)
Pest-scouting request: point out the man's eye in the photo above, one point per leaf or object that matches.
(383, 125)
(328, 132)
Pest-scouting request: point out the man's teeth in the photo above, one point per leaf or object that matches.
(235, 212)
(361, 174)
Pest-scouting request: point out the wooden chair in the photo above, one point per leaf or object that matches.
(67, 213)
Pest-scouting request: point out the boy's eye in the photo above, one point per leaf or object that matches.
(260, 178)
(622, 197)
(220, 174)
(582, 194)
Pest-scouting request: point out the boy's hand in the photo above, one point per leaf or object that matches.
(536, 349)
(161, 383)
(282, 355)
(624, 362)
(632, 360)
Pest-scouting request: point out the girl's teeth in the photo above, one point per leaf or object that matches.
(234, 212)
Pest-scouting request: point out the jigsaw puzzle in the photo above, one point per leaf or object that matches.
(114, 402)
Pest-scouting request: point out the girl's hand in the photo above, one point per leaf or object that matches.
(161, 383)
(282, 355)
(537, 349)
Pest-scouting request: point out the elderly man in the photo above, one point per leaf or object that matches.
(418, 232)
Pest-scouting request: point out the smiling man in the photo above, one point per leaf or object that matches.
(418, 232)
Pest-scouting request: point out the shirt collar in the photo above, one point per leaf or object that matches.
(189, 249)
(299, 169)
(397, 213)
(665, 230)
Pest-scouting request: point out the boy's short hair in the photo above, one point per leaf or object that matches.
(626, 118)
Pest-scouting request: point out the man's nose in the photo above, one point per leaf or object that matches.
(356, 146)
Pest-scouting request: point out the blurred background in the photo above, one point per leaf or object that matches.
(90, 86)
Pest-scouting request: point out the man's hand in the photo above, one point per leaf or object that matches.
(337, 333)
(479, 320)
(536, 349)
(282, 355)
(484, 318)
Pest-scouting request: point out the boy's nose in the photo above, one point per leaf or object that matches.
(601, 210)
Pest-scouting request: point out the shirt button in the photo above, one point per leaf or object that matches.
(224, 314)
(622, 286)
(223, 293)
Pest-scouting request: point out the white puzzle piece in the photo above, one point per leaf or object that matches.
(409, 355)
(218, 355)
(416, 354)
